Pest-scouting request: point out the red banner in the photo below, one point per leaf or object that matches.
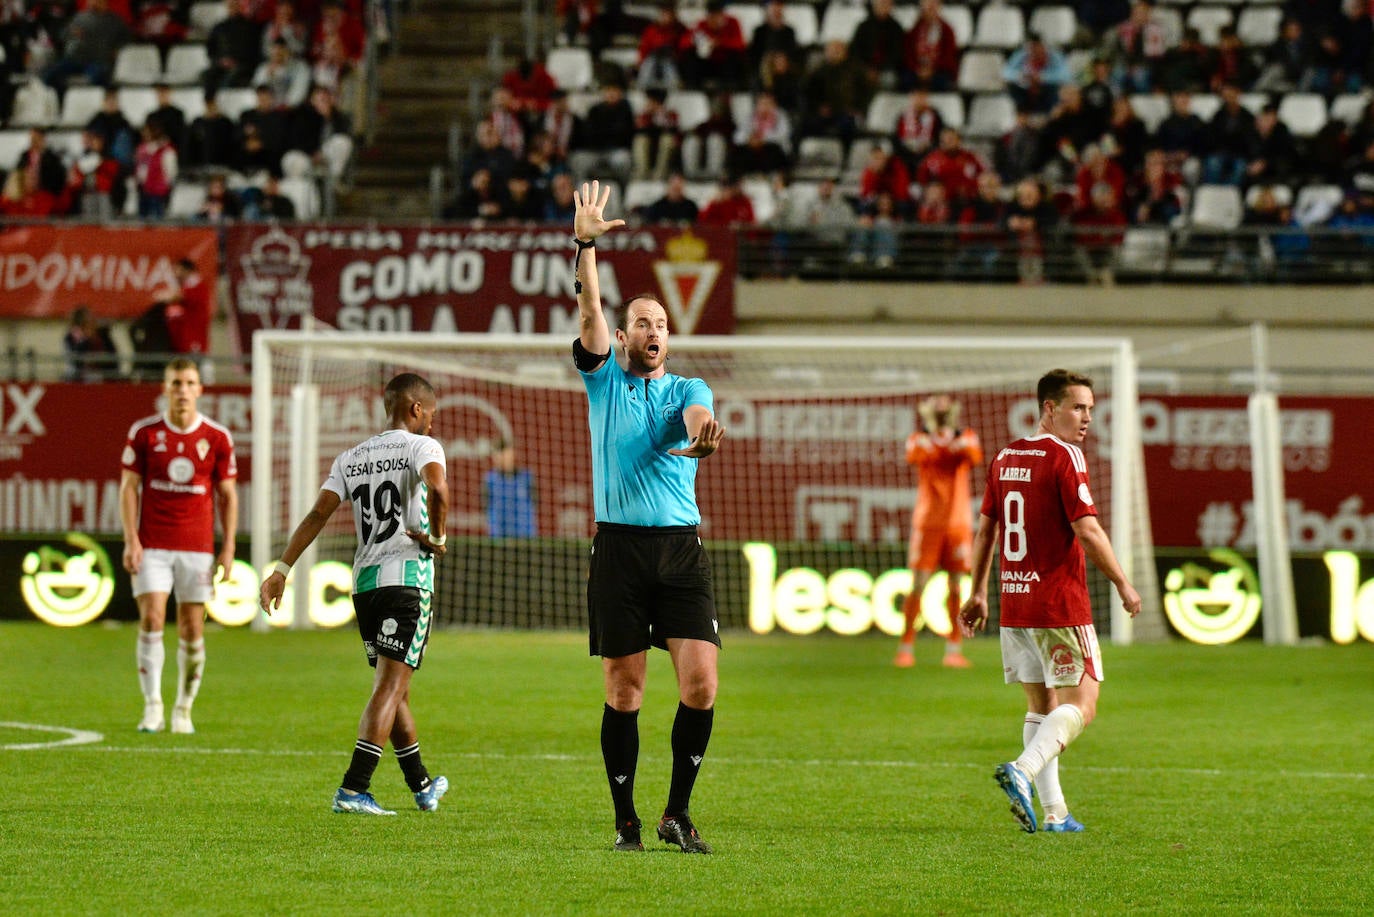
(494, 279)
(47, 270)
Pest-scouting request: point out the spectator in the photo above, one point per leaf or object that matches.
(1098, 17)
(773, 36)
(523, 203)
(1233, 62)
(1135, 46)
(269, 125)
(559, 205)
(482, 199)
(729, 206)
(162, 23)
(170, 119)
(508, 120)
(88, 348)
(982, 219)
(601, 144)
(1098, 168)
(210, 139)
(1289, 60)
(285, 74)
(1186, 66)
(267, 203)
(96, 181)
(1360, 167)
(656, 137)
(764, 143)
(584, 19)
(90, 43)
(836, 95)
(509, 495)
(719, 57)
(1263, 209)
(779, 78)
(829, 215)
(1274, 155)
(1098, 95)
(115, 130)
(930, 56)
(1030, 219)
(1315, 15)
(884, 174)
(934, 208)
(155, 171)
(1354, 58)
(530, 87)
(674, 207)
(1034, 73)
(186, 305)
(544, 166)
(1099, 226)
(221, 205)
(1182, 135)
(22, 198)
(917, 130)
(1019, 151)
(705, 148)
(1155, 199)
(285, 26)
(319, 130)
(42, 164)
(251, 155)
(953, 165)
(1362, 131)
(234, 47)
(1356, 212)
(1230, 138)
(879, 45)
(876, 236)
(1325, 153)
(559, 123)
(336, 20)
(1128, 136)
(661, 47)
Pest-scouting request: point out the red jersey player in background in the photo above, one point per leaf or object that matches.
(1038, 507)
(944, 457)
(178, 467)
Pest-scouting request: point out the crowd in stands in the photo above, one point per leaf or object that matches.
(1094, 116)
(211, 110)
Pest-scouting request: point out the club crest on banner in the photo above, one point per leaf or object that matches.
(276, 280)
(686, 278)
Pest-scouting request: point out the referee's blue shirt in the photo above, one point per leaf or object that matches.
(634, 422)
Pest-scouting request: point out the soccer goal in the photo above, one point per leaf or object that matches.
(806, 508)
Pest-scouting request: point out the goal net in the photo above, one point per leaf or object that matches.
(806, 508)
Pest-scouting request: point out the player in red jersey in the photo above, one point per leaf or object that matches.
(178, 467)
(1038, 507)
(944, 456)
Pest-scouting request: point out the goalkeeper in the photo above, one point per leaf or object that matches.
(944, 457)
(649, 582)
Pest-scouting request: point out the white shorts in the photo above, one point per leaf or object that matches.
(1057, 657)
(190, 574)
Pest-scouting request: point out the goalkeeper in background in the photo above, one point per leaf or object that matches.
(649, 581)
(944, 457)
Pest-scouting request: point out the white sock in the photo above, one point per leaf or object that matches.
(190, 665)
(1059, 728)
(1047, 781)
(150, 656)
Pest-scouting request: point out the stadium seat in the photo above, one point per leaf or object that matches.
(642, 192)
(627, 58)
(1216, 207)
(1057, 24)
(818, 158)
(840, 21)
(981, 71)
(990, 115)
(960, 19)
(137, 65)
(858, 156)
(693, 108)
(571, 68)
(187, 198)
(742, 108)
(1303, 112)
(905, 16)
(1283, 194)
(1205, 105)
(1255, 101)
(802, 18)
(1258, 26)
(191, 101)
(1000, 27)
(37, 106)
(303, 194)
(760, 194)
(1209, 21)
(1316, 204)
(1150, 109)
(1144, 250)
(1172, 21)
(581, 101)
(234, 102)
(700, 192)
(950, 105)
(185, 64)
(883, 112)
(66, 143)
(80, 104)
(205, 15)
(1349, 107)
(136, 102)
(749, 15)
(13, 143)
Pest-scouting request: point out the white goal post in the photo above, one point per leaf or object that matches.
(805, 509)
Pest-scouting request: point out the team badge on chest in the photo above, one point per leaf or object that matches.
(202, 448)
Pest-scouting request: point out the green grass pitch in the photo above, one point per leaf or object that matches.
(1216, 780)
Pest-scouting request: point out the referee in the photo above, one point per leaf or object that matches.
(649, 582)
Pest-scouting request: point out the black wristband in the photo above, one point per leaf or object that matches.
(583, 245)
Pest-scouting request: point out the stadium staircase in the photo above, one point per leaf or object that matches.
(443, 47)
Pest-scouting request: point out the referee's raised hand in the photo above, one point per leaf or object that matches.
(591, 203)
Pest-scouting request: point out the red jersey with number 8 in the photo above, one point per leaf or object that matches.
(180, 469)
(1036, 488)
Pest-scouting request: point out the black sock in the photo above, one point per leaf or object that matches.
(620, 749)
(358, 777)
(691, 733)
(417, 778)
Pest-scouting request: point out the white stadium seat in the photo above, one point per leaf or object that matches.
(960, 19)
(692, 107)
(136, 102)
(571, 68)
(137, 65)
(802, 18)
(990, 115)
(12, 146)
(1303, 112)
(1056, 24)
(1258, 27)
(1001, 27)
(185, 64)
(80, 104)
(1209, 20)
(1150, 109)
(840, 21)
(1217, 207)
(981, 71)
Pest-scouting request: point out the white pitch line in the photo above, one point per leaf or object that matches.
(743, 762)
(74, 737)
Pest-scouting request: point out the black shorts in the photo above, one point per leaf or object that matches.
(393, 622)
(647, 586)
